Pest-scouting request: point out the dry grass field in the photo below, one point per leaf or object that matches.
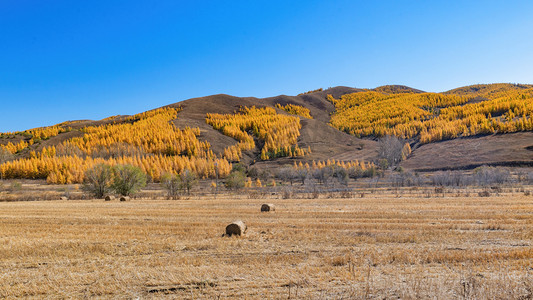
(380, 246)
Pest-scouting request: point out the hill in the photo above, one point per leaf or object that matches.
(460, 128)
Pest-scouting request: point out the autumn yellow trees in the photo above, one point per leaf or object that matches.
(332, 162)
(510, 112)
(278, 132)
(295, 110)
(152, 132)
(14, 148)
(149, 141)
(377, 114)
(32, 136)
(71, 169)
(433, 117)
(153, 143)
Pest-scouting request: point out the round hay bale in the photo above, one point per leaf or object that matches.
(236, 228)
(63, 198)
(109, 197)
(124, 198)
(268, 207)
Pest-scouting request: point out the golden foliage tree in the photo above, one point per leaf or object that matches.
(295, 110)
(278, 132)
(149, 141)
(433, 117)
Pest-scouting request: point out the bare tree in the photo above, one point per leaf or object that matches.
(451, 178)
(188, 180)
(323, 175)
(301, 175)
(341, 174)
(172, 184)
(287, 174)
(98, 180)
(393, 150)
(490, 175)
(5, 156)
(401, 179)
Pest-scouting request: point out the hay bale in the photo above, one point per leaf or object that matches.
(63, 198)
(125, 198)
(109, 197)
(268, 207)
(236, 228)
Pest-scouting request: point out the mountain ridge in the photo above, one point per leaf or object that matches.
(319, 134)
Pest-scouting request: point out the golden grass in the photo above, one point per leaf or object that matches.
(379, 246)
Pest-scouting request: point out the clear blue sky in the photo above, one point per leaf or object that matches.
(67, 60)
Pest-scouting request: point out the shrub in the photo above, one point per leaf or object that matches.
(354, 172)
(98, 180)
(16, 186)
(188, 180)
(238, 167)
(341, 174)
(128, 179)
(370, 172)
(406, 179)
(5, 156)
(172, 184)
(302, 174)
(491, 175)
(287, 193)
(484, 194)
(253, 172)
(287, 174)
(235, 180)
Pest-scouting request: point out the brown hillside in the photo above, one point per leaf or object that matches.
(325, 141)
(499, 150)
(396, 89)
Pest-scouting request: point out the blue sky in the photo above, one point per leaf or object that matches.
(68, 60)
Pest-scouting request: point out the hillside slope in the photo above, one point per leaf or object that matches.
(325, 141)
(461, 128)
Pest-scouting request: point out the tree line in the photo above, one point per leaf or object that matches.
(278, 132)
(431, 117)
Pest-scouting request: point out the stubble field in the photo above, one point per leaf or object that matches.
(377, 246)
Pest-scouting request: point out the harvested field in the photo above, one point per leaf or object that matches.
(379, 246)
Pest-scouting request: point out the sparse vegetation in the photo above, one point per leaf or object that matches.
(128, 180)
(187, 180)
(482, 176)
(393, 151)
(235, 180)
(320, 248)
(312, 91)
(172, 184)
(98, 180)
